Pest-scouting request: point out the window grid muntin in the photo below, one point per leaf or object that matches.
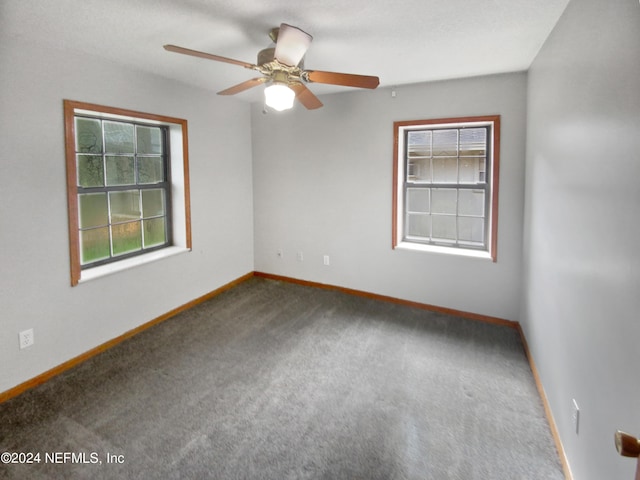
(482, 184)
(164, 185)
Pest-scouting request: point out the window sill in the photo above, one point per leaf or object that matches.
(103, 270)
(418, 247)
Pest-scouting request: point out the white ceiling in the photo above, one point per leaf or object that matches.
(401, 42)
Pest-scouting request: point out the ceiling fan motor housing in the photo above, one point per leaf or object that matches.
(268, 55)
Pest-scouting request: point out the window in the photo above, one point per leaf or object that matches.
(127, 182)
(446, 185)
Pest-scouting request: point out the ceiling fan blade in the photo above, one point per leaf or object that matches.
(305, 96)
(209, 56)
(246, 85)
(292, 44)
(345, 79)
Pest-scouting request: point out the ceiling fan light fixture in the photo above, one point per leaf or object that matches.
(279, 96)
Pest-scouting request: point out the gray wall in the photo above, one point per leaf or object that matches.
(323, 186)
(582, 264)
(35, 289)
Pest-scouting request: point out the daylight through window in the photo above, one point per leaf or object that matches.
(119, 173)
(123, 189)
(446, 185)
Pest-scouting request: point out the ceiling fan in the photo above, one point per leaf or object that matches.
(282, 66)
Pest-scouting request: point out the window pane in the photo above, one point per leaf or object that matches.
(90, 170)
(419, 143)
(126, 237)
(419, 170)
(150, 170)
(88, 135)
(152, 203)
(418, 200)
(149, 139)
(120, 171)
(93, 209)
(418, 225)
(471, 202)
(94, 245)
(445, 143)
(125, 206)
(118, 137)
(472, 170)
(445, 170)
(154, 232)
(473, 141)
(444, 200)
(444, 227)
(471, 230)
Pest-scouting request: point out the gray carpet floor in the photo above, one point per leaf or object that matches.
(272, 380)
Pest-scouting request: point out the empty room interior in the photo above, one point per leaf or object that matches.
(198, 281)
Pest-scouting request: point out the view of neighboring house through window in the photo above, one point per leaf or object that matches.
(446, 185)
(120, 185)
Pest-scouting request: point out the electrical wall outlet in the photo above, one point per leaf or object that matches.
(326, 259)
(26, 338)
(575, 417)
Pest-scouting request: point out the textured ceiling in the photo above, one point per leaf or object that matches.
(401, 42)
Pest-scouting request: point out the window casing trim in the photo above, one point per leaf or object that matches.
(398, 207)
(179, 177)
